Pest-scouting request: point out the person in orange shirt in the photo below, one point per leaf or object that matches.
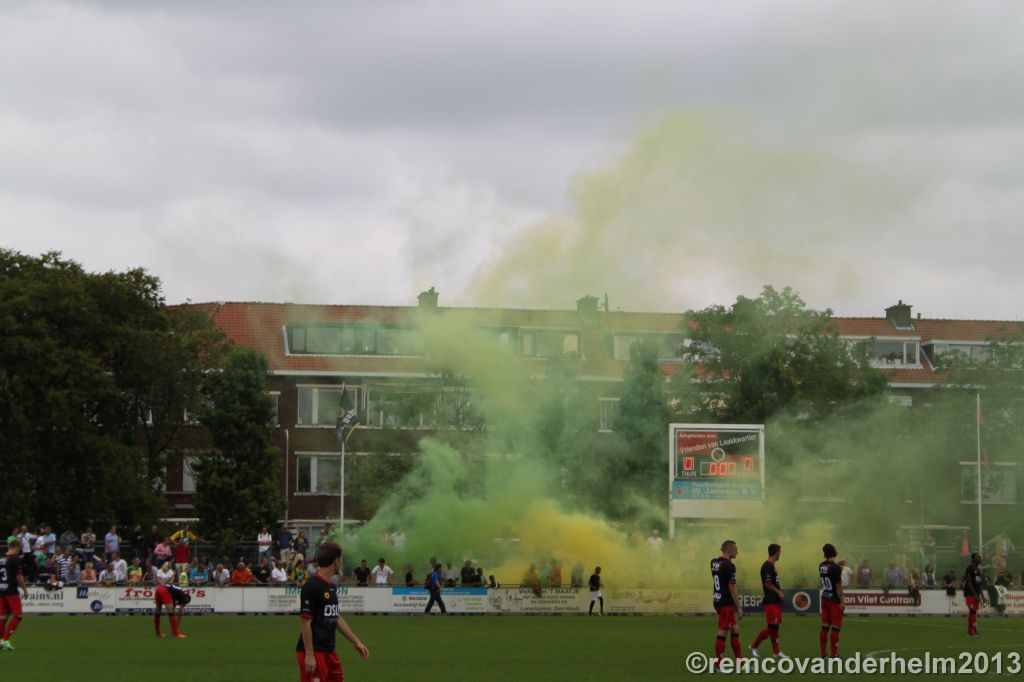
(241, 575)
(555, 577)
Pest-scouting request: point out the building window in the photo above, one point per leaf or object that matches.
(321, 405)
(188, 481)
(275, 401)
(352, 339)
(400, 406)
(895, 353)
(549, 344)
(670, 346)
(998, 484)
(318, 474)
(901, 400)
(608, 412)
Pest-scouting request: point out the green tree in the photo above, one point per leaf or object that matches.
(764, 355)
(236, 483)
(78, 361)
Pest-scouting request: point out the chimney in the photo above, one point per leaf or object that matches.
(586, 307)
(900, 316)
(428, 300)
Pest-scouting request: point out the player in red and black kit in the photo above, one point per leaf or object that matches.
(318, 606)
(727, 601)
(11, 579)
(171, 596)
(773, 597)
(832, 604)
(972, 594)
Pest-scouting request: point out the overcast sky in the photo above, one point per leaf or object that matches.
(674, 154)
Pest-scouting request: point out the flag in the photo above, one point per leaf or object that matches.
(348, 416)
(984, 450)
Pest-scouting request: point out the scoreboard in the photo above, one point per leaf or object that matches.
(715, 470)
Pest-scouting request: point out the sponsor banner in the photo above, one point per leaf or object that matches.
(142, 599)
(655, 601)
(550, 600)
(795, 601)
(1011, 601)
(41, 600)
(279, 599)
(456, 599)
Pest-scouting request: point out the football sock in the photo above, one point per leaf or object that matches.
(834, 639)
(719, 648)
(972, 621)
(3, 628)
(174, 624)
(774, 634)
(156, 622)
(761, 636)
(11, 627)
(823, 638)
(737, 650)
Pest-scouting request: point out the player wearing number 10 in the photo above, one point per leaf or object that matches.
(318, 606)
(727, 602)
(832, 606)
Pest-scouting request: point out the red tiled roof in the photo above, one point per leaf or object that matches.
(261, 326)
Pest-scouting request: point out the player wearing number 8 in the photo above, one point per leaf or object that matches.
(727, 602)
(832, 605)
(318, 606)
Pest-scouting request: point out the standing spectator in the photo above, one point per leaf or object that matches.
(67, 540)
(264, 542)
(382, 573)
(162, 553)
(181, 555)
(847, 574)
(480, 580)
(914, 586)
(138, 540)
(284, 544)
(576, 577)
(467, 575)
(107, 577)
(28, 564)
(278, 576)
(864, 575)
(301, 546)
(410, 579)
(61, 562)
(88, 544)
(88, 576)
(221, 576)
(153, 538)
(451, 576)
(198, 574)
(928, 579)
(655, 542)
(398, 539)
(892, 579)
(555, 576)
(184, 533)
(361, 574)
(531, 579)
(120, 567)
(49, 541)
(492, 584)
(148, 572)
(949, 582)
(111, 542)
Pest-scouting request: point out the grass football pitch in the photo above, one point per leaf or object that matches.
(454, 648)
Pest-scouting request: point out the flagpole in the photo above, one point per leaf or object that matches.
(341, 521)
(980, 534)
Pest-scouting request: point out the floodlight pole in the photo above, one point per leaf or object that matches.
(981, 540)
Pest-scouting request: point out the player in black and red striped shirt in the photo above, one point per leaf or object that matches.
(832, 604)
(11, 579)
(726, 601)
(773, 597)
(318, 606)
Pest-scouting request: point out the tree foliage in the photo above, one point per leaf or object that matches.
(237, 491)
(771, 353)
(84, 358)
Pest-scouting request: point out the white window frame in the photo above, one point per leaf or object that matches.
(602, 424)
(275, 417)
(314, 458)
(315, 410)
(188, 481)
